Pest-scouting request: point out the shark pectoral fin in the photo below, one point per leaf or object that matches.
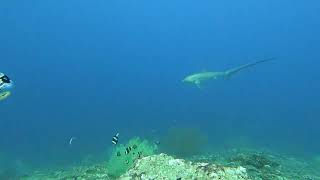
(198, 84)
(227, 76)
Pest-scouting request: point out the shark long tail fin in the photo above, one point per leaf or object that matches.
(232, 71)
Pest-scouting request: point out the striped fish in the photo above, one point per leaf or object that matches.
(115, 139)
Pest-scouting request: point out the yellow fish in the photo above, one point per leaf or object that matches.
(4, 95)
(5, 85)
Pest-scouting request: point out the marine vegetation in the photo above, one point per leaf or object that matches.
(124, 156)
(183, 142)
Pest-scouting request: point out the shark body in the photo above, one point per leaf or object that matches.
(201, 77)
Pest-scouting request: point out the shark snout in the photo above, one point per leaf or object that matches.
(185, 80)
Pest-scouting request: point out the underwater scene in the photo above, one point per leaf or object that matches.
(167, 89)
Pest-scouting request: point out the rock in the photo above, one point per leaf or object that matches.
(163, 166)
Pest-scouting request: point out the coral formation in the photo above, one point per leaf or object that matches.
(166, 167)
(233, 165)
(263, 164)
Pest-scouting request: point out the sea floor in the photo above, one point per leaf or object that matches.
(259, 165)
(265, 165)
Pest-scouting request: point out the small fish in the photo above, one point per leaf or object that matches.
(157, 142)
(5, 84)
(118, 153)
(4, 95)
(134, 146)
(71, 140)
(128, 149)
(115, 139)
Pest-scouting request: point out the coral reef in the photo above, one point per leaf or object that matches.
(159, 166)
(234, 164)
(262, 164)
(166, 167)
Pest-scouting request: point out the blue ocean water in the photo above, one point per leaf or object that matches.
(89, 69)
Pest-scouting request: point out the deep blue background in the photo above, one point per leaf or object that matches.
(91, 68)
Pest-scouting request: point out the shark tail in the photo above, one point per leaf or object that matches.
(232, 71)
